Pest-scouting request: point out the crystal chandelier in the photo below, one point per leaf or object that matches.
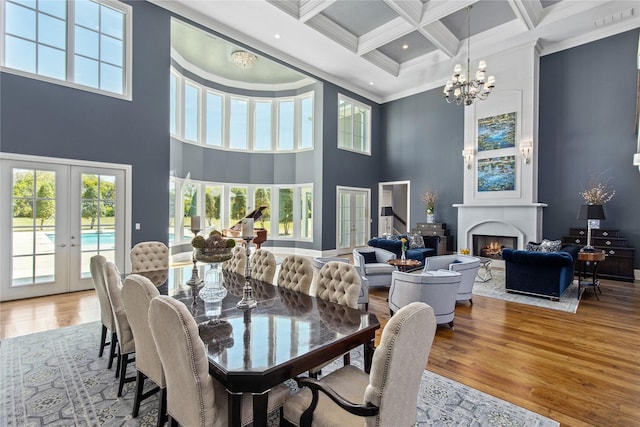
(461, 89)
(243, 59)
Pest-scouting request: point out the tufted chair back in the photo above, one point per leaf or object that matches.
(238, 261)
(340, 283)
(96, 265)
(190, 388)
(263, 266)
(149, 256)
(137, 293)
(114, 290)
(296, 273)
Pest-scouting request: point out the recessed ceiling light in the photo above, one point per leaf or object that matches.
(276, 36)
(405, 46)
(371, 83)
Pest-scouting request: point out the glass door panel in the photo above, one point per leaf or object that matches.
(34, 217)
(353, 219)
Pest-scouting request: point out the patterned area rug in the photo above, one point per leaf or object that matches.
(55, 378)
(494, 288)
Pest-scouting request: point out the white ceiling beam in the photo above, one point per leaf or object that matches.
(334, 31)
(411, 10)
(310, 8)
(438, 34)
(528, 12)
(288, 7)
(384, 34)
(383, 61)
(434, 11)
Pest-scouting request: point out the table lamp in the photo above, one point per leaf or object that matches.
(386, 211)
(590, 212)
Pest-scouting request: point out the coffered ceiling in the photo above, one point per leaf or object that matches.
(387, 49)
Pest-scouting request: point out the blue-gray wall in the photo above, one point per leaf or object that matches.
(423, 142)
(45, 119)
(587, 128)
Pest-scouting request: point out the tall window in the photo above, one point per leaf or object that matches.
(191, 112)
(306, 212)
(190, 207)
(173, 97)
(354, 125)
(306, 122)
(172, 211)
(262, 197)
(286, 125)
(263, 126)
(285, 214)
(213, 123)
(213, 206)
(238, 124)
(84, 43)
(237, 204)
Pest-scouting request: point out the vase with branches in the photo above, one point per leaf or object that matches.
(430, 198)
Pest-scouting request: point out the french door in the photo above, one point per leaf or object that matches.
(353, 218)
(54, 218)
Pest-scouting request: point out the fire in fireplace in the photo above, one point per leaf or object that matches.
(492, 246)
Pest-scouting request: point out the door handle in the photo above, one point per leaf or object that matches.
(73, 245)
(62, 245)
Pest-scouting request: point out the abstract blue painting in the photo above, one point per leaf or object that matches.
(497, 174)
(497, 132)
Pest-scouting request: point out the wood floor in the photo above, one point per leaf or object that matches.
(580, 369)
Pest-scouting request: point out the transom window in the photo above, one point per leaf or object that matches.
(81, 43)
(354, 125)
(202, 115)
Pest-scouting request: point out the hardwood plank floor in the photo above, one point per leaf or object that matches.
(580, 369)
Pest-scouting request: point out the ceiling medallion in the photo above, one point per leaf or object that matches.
(243, 59)
(464, 89)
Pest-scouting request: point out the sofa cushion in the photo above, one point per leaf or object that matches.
(379, 268)
(369, 257)
(551, 245)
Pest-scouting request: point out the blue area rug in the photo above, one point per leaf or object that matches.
(55, 378)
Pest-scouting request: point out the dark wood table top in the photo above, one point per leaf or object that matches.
(591, 256)
(287, 334)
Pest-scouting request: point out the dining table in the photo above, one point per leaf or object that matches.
(285, 335)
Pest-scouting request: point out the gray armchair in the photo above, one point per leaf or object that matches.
(372, 263)
(436, 288)
(466, 265)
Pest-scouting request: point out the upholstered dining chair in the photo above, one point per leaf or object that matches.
(296, 273)
(194, 397)
(137, 293)
(339, 283)
(385, 397)
(238, 261)
(263, 266)
(126, 343)
(149, 256)
(96, 266)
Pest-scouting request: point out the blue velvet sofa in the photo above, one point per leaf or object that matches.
(545, 274)
(395, 246)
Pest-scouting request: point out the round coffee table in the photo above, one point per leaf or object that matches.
(403, 265)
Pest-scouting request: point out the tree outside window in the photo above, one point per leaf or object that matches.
(212, 206)
(262, 197)
(286, 211)
(238, 204)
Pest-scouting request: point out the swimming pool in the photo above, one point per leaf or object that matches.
(93, 239)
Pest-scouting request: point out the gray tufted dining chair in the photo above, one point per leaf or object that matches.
(126, 344)
(149, 256)
(385, 397)
(137, 293)
(263, 266)
(296, 273)
(194, 397)
(96, 266)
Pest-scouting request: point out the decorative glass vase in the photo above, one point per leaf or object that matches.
(431, 218)
(213, 289)
(403, 256)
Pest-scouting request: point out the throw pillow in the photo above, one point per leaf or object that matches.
(369, 257)
(533, 247)
(550, 245)
(416, 241)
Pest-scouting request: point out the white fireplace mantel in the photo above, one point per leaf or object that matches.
(523, 221)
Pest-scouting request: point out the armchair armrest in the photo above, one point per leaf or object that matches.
(383, 255)
(361, 410)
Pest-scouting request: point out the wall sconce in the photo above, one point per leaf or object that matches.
(636, 160)
(468, 158)
(525, 148)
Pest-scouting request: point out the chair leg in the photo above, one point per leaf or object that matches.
(118, 362)
(451, 325)
(123, 373)
(172, 422)
(162, 407)
(470, 301)
(346, 358)
(138, 397)
(112, 349)
(103, 341)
